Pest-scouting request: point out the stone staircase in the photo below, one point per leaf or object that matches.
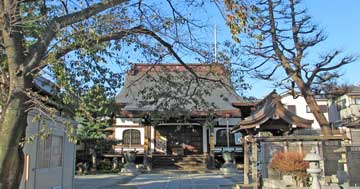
(188, 163)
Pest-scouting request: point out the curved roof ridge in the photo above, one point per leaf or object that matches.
(269, 108)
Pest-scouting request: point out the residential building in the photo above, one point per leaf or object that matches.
(345, 113)
(348, 107)
(297, 104)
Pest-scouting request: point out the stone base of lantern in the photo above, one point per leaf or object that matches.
(229, 170)
(129, 169)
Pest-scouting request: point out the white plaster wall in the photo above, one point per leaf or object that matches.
(204, 139)
(152, 139)
(127, 121)
(301, 104)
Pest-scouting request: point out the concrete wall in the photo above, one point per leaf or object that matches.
(51, 177)
(268, 149)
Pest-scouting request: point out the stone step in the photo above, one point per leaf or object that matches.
(172, 160)
(186, 162)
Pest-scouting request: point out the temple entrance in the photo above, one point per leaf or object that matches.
(178, 139)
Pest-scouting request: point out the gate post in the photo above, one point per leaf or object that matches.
(246, 161)
(254, 169)
(211, 159)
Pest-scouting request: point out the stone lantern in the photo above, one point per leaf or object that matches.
(314, 168)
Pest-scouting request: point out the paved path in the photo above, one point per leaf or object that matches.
(179, 181)
(106, 181)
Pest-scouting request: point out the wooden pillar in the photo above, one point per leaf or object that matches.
(286, 146)
(246, 161)
(147, 139)
(301, 147)
(254, 170)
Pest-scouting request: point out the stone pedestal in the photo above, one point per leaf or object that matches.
(129, 167)
(341, 174)
(229, 168)
(115, 163)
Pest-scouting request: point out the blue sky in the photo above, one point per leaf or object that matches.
(339, 19)
(341, 22)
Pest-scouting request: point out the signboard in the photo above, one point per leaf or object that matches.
(160, 144)
(353, 159)
(330, 157)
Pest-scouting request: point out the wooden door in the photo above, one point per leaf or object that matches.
(189, 138)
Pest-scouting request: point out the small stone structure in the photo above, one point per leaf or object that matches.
(129, 167)
(314, 169)
(228, 168)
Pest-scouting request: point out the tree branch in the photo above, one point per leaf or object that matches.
(39, 48)
(274, 40)
(320, 67)
(295, 30)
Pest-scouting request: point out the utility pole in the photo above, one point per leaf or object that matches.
(215, 45)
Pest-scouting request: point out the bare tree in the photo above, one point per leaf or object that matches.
(279, 35)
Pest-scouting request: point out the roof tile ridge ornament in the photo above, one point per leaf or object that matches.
(214, 68)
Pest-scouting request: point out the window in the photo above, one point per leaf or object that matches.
(292, 108)
(50, 152)
(341, 104)
(237, 137)
(56, 151)
(221, 138)
(44, 153)
(131, 136)
(323, 109)
(308, 109)
(357, 101)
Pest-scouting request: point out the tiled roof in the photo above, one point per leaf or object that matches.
(269, 108)
(156, 87)
(354, 90)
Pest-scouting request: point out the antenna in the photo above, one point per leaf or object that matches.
(215, 41)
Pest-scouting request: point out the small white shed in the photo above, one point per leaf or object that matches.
(49, 163)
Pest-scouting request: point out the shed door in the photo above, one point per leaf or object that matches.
(49, 162)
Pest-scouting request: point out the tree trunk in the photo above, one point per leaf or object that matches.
(319, 115)
(12, 131)
(93, 168)
(314, 107)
